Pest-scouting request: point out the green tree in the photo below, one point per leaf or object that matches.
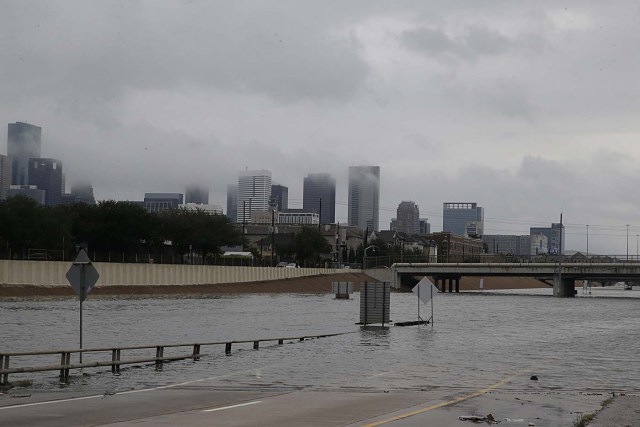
(308, 244)
(24, 225)
(198, 231)
(113, 226)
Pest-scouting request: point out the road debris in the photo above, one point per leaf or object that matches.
(489, 419)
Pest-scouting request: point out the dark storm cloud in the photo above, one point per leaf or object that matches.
(522, 107)
(475, 41)
(101, 50)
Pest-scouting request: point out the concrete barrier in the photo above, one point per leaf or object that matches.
(52, 273)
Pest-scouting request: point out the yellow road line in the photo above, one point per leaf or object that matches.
(447, 403)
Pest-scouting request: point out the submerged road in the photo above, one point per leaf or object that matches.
(198, 404)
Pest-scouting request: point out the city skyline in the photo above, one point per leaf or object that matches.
(328, 88)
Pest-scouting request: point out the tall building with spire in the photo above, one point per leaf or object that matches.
(364, 197)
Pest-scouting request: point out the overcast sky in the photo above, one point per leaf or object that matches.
(527, 108)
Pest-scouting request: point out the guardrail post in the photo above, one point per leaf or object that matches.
(4, 364)
(115, 357)
(65, 360)
(256, 345)
(159, 356)
(227, 348)
(196, 352)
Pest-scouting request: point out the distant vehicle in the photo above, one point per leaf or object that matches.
(291, 265)
(282, 264)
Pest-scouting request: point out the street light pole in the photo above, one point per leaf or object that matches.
(587, 242)
(627, 242)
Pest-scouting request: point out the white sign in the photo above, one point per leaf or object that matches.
(425, 290)
(82, 270)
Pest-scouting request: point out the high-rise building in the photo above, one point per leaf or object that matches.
(5, 176)
(425, 227)
(320, 189)
(554, 235)
(508, 244)
(197, 194)
(364, 197)
(23, 143)
(158, 202)
(83, 193)
(408, 218)
(232, 202)
(80, 193)
(46, 174)
(463, 219)
(30, 191)
(254, 192)
(280, 197)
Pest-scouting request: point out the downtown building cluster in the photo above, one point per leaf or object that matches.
(254, 199)
(23, 170)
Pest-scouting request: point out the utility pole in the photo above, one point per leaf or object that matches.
(627, 242)
(338, 246)
(320, 215)
(273, 236)
(244, 221)
(587, 242)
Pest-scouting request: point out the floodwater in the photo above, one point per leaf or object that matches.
(585, 344)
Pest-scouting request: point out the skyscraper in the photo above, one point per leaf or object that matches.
(318, 186)
(458, 218)
(408, 218)
(364, 197)
(197, 194)
(232, 202)
(46, 174)
(554, 235)
(159, 202)
(254, 192)
(5, 176)
(83, 193)
(280, 197)
(23, 143)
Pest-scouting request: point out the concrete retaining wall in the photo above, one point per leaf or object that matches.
(380, 274)
(51, 273)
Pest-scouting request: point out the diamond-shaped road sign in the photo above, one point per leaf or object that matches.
(82, 268)
(425, 290)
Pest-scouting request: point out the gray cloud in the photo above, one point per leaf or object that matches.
(476, 41)
(526, 109)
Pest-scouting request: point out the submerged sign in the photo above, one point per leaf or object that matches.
(82, 275)
(425, 290)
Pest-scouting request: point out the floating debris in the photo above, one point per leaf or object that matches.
(489, 419)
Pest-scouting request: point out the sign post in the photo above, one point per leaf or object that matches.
(424, 291)
(82, 277)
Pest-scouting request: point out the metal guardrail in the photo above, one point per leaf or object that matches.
(116, 356)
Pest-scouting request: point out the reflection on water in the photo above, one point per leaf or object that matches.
(583, 344)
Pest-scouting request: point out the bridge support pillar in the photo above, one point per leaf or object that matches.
(565, 288)
(457, 284)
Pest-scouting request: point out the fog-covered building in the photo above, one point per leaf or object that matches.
(24, 142)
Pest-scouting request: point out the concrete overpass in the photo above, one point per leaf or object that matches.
(563, 280)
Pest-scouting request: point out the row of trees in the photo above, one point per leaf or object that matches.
(109, 226)
(112, 228)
